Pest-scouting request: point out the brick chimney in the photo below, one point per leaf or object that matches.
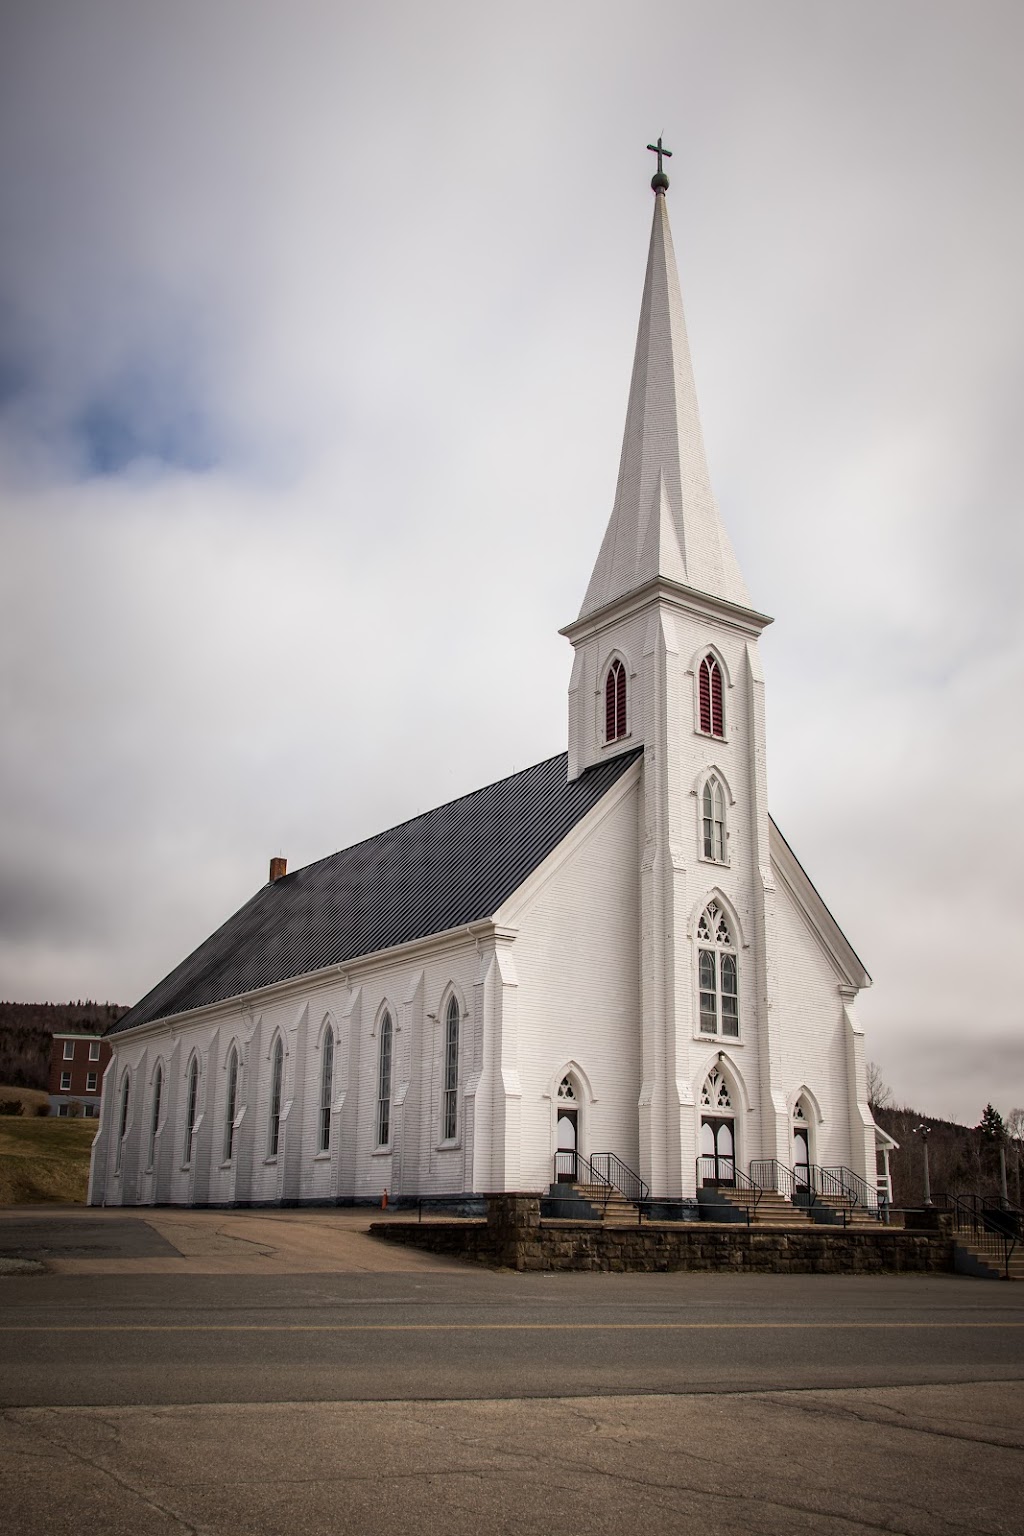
(278, 868)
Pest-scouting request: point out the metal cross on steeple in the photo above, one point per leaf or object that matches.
(659, 181)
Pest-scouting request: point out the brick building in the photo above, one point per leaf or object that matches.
(77, 1065)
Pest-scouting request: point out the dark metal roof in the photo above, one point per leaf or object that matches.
(448, 867)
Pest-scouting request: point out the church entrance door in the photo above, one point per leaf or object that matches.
(717, 1151)
(565, 1144)
(801, 1159)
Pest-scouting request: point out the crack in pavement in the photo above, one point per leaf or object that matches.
(883, 1418)
(39, 1428)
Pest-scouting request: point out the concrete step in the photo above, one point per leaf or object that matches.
(989, 1264)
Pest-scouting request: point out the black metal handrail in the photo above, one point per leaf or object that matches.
(843, 1183)
(1002, 1215)
(620, 1175)
(770, 1173)
(580, 1171)
(708, 1166)
(989, 1234)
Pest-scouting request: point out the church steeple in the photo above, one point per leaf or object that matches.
(664, 521)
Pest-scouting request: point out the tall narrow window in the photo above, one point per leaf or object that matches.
(384, 1083)
(615, 701)
(231, 1106)
(190, 1109)
(326, 1089)
(451, 1070)
(122, 1124)
(154, 1121)
(717, 974)
(711, 718)
(714, 820)
(276, 1076)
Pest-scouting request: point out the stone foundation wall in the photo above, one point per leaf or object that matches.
(514, 1236)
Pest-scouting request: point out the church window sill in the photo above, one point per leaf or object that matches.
(382, 1151)
(322, 1157)
(448, 1146)
(268, 1162)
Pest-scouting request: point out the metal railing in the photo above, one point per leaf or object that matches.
(994, 1228)
(620, 1175)
(710, 1175)
(771, 1174)
(844, 1184)
(574, 1168)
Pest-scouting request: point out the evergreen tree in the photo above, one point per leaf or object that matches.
(991, 1126)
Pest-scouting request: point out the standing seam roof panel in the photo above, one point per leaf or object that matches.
(448, 867)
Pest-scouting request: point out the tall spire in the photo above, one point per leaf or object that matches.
(664, 522)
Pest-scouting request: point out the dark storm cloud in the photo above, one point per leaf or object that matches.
(315, 333)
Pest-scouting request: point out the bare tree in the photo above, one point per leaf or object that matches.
(879, 1092)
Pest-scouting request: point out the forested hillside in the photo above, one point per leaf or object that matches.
(960, 1158)
(26, 1030)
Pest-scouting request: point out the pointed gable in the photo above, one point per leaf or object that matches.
(664, 521)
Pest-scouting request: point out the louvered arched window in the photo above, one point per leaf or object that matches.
(326, 1089)
(384, 1083)
(711, 717)
(716, 961)
(713, 819)
(191, 1099)
(451, 1070)
(615, 701)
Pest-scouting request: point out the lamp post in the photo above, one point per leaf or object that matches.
(924, 1131)
(1003, 1193)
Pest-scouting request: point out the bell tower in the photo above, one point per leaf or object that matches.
(666, 657)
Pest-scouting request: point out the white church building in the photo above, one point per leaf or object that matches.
(612, 960)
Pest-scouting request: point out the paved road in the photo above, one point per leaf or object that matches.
(325, 1400)
(162, 1340)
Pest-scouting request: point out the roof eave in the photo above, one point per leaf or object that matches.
(685, 599)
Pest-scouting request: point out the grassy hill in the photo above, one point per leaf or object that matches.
(44, 1160)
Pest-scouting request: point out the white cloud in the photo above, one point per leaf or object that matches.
(360, 286)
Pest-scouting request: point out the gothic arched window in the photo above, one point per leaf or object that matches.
(615, 701)
(713, 820)
(715, 1093)
(716, 960)
(326, 1090)
(711, 717)
(231, 1106)
(122, 1123)
(154, 1119)
(384, 1083)
(451, 1070)
(276, 1081)
(191, 1098)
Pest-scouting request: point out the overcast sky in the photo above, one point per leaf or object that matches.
(316, 325)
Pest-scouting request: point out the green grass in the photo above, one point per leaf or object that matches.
(44, 1160)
